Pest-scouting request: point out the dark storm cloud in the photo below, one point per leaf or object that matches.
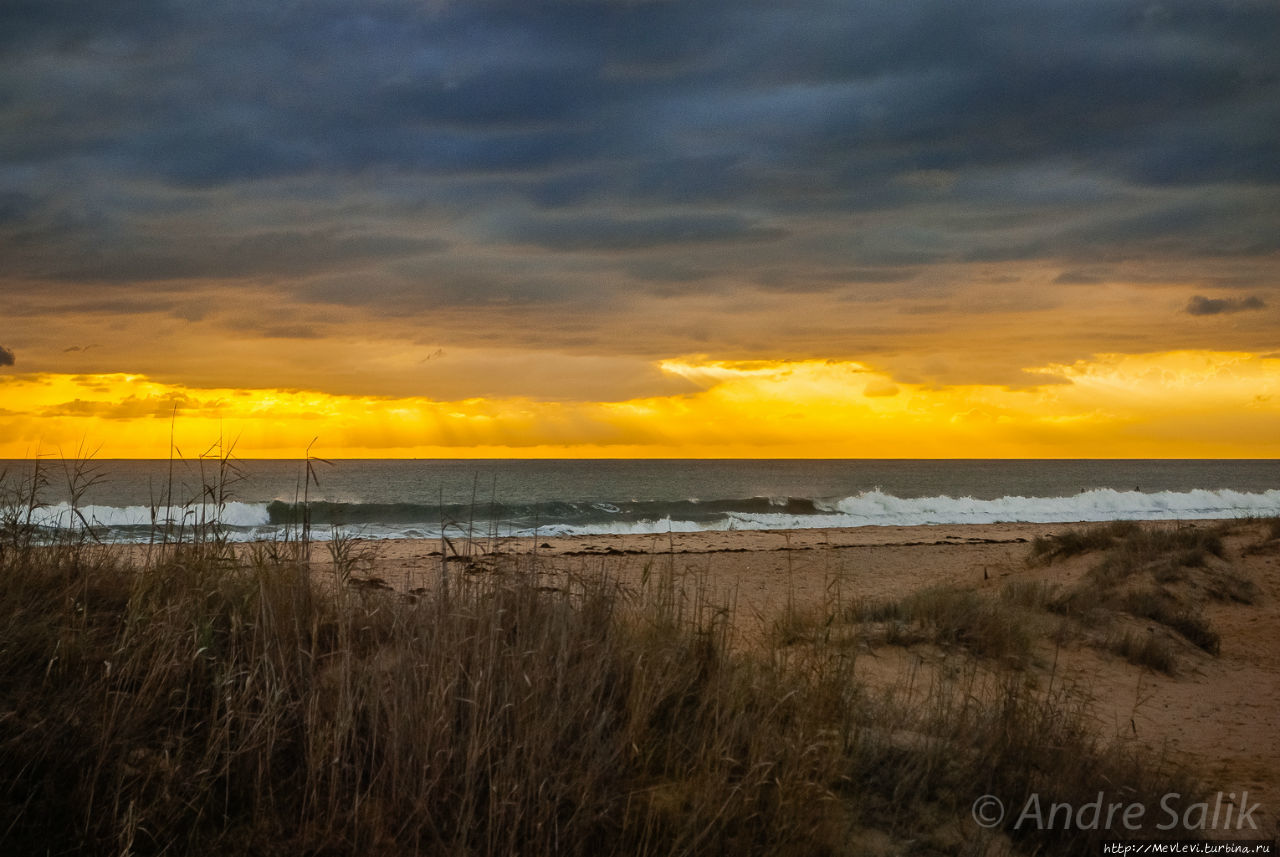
(601, 232)
(77, 252)
(1201, 305)
(1079, 278)
(15, 207)
(6, 357)
(146, 141)
(278, 253)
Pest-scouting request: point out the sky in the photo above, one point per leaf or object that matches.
(640, 228)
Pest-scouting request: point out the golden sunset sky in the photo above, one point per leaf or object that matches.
(691, 228)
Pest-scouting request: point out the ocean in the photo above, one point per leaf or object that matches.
(383, 499)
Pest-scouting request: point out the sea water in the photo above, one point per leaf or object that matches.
(133, 500)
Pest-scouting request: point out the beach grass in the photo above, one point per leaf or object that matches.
(194, 706)
(1163, 576)
(191, 698)
(950, 616)
(1151, 577)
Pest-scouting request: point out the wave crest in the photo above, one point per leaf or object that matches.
(248, 521)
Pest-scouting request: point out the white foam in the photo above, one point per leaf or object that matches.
(234, 514)
(249, 521)
(662, 525)
(875, 508)
(1102, 504)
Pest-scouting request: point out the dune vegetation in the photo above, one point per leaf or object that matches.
(190, 696)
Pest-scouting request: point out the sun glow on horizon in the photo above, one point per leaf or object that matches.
(1170, 404)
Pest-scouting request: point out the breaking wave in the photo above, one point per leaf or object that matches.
(244, 521)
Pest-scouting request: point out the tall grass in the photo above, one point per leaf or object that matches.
(201, 708)
(197, 701)
(188, 709)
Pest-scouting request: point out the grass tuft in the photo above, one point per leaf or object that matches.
(1159, 606)
(1145, 649)
(951, 616)
(1069, 543)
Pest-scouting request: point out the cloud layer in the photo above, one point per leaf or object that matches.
(895, 182)
(1200, 305)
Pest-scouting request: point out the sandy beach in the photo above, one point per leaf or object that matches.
(1219, 714)
(873, 689)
